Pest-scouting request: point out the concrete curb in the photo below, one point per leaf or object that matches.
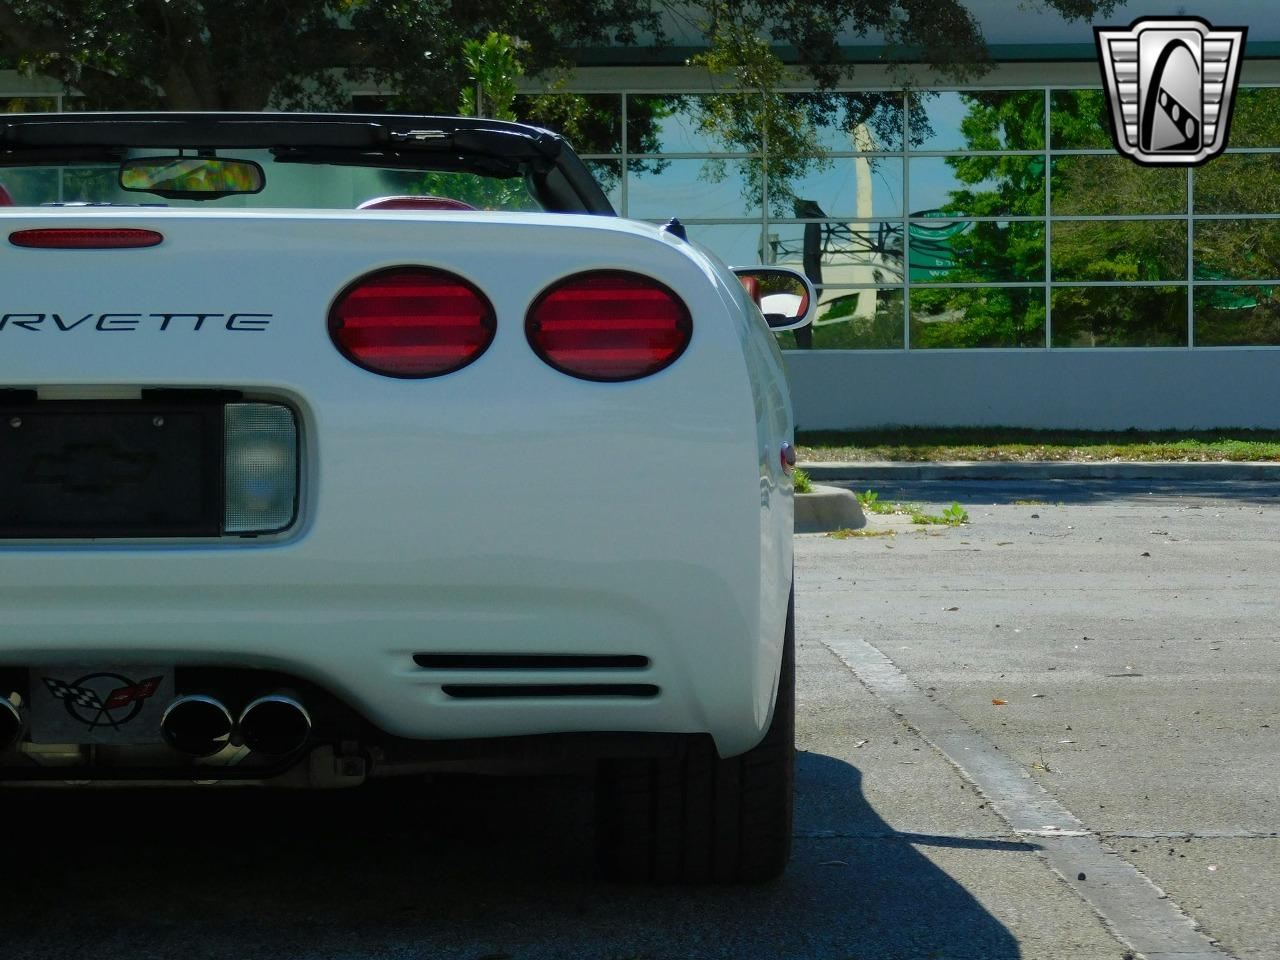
(826, 509)
(860, 471)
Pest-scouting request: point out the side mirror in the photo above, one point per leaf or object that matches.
(785, 297)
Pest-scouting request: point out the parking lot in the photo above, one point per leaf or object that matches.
(1051, 733)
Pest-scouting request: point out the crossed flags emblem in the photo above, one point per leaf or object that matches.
(78, 696)
(81, 696)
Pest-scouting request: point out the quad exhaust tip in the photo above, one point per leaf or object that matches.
(11, 723)
(197, 724)
(276, 725)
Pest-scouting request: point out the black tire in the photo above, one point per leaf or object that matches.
(700, 819)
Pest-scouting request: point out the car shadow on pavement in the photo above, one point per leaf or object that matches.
(464, 868)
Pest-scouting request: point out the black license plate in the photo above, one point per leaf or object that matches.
(110, 469)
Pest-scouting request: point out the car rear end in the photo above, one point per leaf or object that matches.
(235, 478)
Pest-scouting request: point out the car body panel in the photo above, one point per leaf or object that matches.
(503, 508)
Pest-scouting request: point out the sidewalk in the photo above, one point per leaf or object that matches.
(872, 470)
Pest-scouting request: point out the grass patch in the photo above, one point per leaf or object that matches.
(801, 480)
(847, 534)
(920, 444)
(1031, 503)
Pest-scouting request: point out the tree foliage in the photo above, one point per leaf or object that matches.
(246, 55)
(495, 70)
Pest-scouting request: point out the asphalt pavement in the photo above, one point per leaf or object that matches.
(1122, 796)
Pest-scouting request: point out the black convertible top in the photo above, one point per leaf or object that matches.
(488, 147)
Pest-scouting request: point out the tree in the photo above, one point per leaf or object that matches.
(494, 69)
(245, 55)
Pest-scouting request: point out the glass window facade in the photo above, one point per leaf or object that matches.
(991, 219)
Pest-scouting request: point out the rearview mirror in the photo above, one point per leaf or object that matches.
(784, 296)
(191, 178)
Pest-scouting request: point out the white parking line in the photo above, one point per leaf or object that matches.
(1137, 911)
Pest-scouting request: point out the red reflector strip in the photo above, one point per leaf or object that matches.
(609, 325)
(62, 238)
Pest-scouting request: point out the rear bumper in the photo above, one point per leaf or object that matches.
(695, 661)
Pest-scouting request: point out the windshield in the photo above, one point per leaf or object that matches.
(320, 186)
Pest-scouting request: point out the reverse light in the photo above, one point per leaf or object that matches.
(260, 464)
(63, 238)
(608, 325)
(412, 322)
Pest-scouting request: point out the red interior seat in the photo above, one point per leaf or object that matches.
(414, 203)
(5, 199)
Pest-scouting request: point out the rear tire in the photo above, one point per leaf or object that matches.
(700, 819)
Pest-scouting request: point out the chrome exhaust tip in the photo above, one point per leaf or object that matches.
(12, 723)
(275, 725)
(197, 725)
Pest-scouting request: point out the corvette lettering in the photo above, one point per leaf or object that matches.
(135, 322)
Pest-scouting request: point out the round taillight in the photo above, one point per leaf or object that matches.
(411, 322)
(608, 325)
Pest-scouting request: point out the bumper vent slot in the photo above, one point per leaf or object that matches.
(529, 661)
(512, 691)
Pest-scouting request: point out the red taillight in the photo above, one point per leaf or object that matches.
(608, 325)
(63, 238)
(412, 322)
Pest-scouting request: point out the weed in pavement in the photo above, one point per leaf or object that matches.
(953, 516)
(870, 501)
(847, 534)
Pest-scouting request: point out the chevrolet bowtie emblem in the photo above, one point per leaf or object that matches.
(1171, 82)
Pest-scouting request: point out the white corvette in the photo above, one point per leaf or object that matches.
(336, 447)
